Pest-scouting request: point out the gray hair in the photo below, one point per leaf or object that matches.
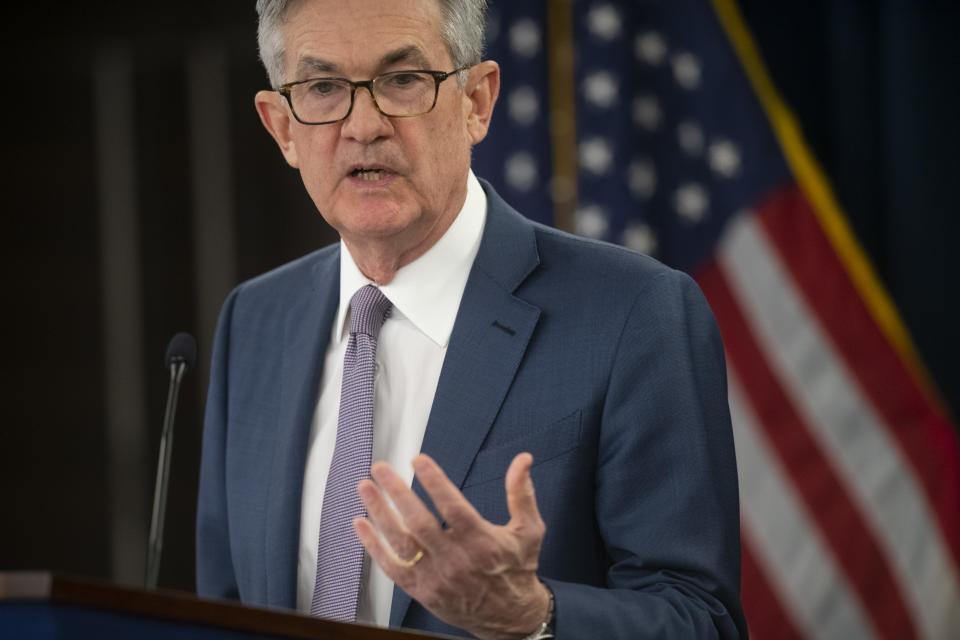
(462, 33)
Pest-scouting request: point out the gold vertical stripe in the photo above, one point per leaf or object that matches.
(814, 184)
(563, 128)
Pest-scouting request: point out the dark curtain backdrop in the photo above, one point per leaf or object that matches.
(872, 82)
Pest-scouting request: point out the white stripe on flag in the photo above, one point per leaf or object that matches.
(785, 537)
(861, 448)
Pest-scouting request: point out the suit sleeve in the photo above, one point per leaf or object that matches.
(215, 574)
(666, 483)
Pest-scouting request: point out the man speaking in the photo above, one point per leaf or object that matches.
(563, 402)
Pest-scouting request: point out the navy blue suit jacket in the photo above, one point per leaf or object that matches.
(604, 364)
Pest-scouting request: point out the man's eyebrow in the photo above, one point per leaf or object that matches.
(411, 54)
(309, 65)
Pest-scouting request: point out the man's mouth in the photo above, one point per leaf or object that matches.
(368, 174)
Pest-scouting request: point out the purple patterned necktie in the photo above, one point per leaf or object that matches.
(340, 554)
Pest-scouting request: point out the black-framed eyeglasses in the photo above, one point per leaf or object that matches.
(397, 94)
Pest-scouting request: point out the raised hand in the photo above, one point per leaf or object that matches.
(472, 574)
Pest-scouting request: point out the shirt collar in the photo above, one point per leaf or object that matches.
(428, 290)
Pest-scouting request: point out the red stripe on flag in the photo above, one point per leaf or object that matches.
(844, 528)
(766, 617)
(925, 436)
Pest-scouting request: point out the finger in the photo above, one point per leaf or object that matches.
(521, 497)
(380, 552)
(458, 513)
(413, 513)
(386, 521)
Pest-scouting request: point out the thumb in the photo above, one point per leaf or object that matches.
(521, 497)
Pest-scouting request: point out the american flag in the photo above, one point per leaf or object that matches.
(849, 474)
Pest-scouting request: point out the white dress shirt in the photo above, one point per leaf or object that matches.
(413, 342)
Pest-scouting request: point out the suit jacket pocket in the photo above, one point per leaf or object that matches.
(545, 443)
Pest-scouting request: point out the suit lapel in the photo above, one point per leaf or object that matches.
(488, 342)
(306, 334)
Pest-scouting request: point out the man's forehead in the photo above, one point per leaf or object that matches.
(364, 36)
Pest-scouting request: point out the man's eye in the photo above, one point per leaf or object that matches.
(405, 80)
(324, 87)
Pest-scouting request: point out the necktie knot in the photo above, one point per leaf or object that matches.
(368, 310)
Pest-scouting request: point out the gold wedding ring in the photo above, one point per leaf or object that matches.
(412, 561)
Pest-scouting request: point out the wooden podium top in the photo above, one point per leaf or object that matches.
(186, 608)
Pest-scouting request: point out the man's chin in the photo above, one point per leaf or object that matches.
(374, 223)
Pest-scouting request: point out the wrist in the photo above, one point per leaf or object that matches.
(547, 624)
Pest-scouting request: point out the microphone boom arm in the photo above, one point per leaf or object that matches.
(178, 367)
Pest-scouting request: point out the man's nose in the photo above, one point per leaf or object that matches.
(365, 122)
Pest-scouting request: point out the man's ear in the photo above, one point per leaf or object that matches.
(278, 120)
(483, 87)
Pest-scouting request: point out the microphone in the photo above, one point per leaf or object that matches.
(180, 358)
